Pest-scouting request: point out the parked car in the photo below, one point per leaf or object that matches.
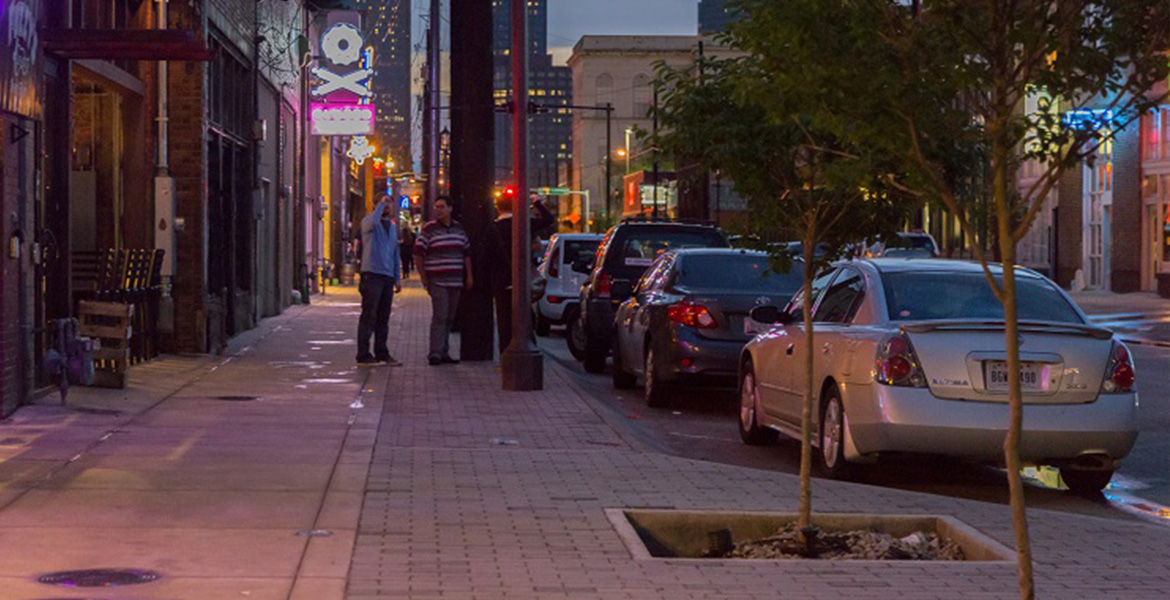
(625, 253)
(907, 245)
(559, 302)
(687, 320)
(910, 356)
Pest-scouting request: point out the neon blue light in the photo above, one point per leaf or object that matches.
(1088, 119)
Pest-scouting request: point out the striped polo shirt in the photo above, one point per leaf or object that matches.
(441, 250)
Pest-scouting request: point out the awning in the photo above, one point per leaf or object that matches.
(125, 44)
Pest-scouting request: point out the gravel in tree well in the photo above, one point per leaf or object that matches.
(849, 545)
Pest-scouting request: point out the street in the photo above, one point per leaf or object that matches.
(701, 425)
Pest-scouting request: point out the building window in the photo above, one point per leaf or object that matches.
(641, 97)
(604, 89)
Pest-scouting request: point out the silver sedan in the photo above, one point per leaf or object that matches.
(909, 356)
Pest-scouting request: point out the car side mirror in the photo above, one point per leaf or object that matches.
(622, 290)
(582, 266)
(769, 315)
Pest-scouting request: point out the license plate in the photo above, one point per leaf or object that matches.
(1033, 376)
(753, 327)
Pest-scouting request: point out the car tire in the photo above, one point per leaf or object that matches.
(655, 390)
(575, 333)
(831, 437)
(622, 379)
(595, 354)
(540, 324)
(1085, 482)
(750, 430)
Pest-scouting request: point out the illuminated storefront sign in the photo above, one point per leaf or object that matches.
(342, 47)
(360, 149)
(341, 119)
(1088, 119)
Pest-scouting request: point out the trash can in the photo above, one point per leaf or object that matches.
(347, 274)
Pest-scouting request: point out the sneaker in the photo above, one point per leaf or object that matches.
(367, 361)
(447, 360)
(434, 360)
(390, 360)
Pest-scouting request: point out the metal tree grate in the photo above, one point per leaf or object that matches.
(236, 398)
(99, 577)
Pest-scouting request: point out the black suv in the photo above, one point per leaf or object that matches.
(623, 256)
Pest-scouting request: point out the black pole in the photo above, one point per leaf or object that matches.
(608, 159)
(521, 365)
(655, 152)
(471, 174)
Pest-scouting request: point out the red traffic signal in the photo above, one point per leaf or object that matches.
(510, 192)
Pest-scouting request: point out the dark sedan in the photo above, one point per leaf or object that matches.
(687, 320)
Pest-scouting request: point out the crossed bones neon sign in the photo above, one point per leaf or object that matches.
(342, 45)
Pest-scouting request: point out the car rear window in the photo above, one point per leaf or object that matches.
(926, 295)
(739, 272)
(639, 249)
(577, 249)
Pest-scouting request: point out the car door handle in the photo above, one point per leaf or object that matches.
(791, 347)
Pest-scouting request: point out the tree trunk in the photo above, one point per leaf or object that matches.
(805, 519)
(1011, 445)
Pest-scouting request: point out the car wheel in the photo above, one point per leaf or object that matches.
(575, 334)
(622, 379)
(750, 430)
(595, 354)
(832, 437)
(1085, 482)
(541, 325)
(655, 389)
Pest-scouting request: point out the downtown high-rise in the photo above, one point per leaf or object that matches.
(550, 133)
(387, 28)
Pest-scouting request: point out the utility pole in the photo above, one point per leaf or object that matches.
(471, 174)
(522, 364)
(608, 157)
(435, 95)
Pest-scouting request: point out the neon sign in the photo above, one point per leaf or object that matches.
(341, 45)
(1088, 119)
(360, 149)
(341, 119)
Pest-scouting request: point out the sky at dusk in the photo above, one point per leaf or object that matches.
(568, 20)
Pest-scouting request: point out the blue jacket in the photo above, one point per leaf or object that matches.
(380, 246)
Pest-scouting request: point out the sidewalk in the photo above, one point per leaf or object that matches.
(440, 486)
(1098, 304)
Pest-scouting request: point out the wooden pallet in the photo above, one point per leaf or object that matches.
(110, 323)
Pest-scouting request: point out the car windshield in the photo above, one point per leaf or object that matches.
(910, 246)
(640, 249)
(749, 273)
(933, 295)
(577, 249)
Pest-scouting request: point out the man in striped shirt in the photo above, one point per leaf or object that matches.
(442, 254)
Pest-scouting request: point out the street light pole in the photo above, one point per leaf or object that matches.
(522, 364)
(608, 158)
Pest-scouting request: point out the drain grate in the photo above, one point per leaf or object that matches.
(235, 398)
(99, 577)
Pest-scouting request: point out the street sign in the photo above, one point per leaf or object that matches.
(553, 191)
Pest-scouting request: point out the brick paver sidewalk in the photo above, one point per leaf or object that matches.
(479, 493)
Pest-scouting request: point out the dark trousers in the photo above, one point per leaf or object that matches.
(377, 300)
(407, 259)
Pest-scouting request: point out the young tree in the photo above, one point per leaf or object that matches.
(998, 81)
(801, 182)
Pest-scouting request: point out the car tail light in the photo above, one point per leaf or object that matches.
(604, 285)
(692, 315)
(897, 364)
(555, 299)
(1119, 373)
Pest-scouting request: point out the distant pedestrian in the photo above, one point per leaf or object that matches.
(443, 255)
(406, 239)
(541, 223)
(380, 279)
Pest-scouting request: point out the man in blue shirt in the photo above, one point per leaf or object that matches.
(381, 278)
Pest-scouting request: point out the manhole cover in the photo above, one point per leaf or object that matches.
(99, 577)
(236, 398)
